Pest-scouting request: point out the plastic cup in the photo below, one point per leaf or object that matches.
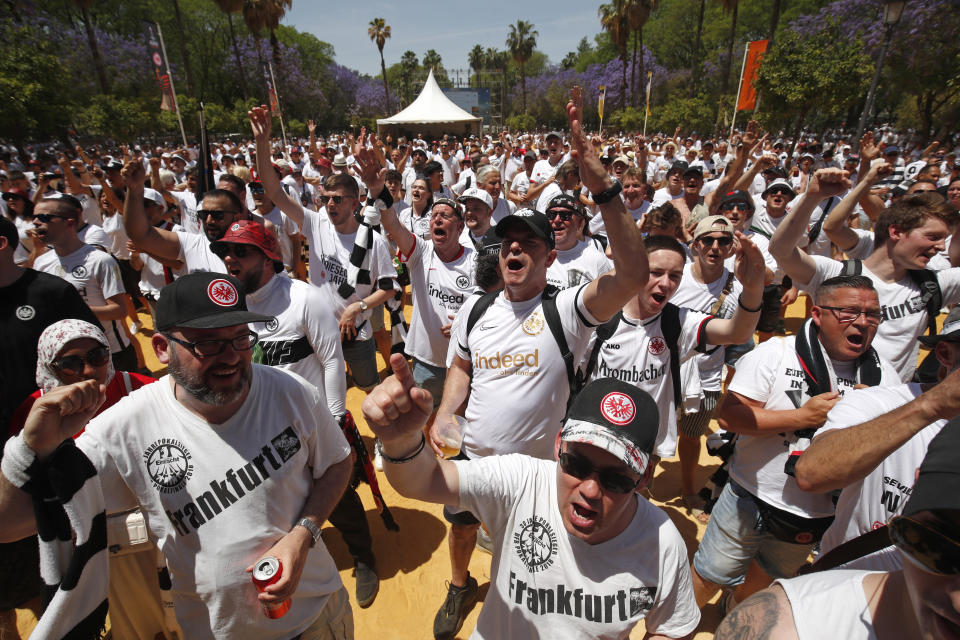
(451, 434)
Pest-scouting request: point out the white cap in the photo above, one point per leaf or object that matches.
(154, 196)
(476, 194)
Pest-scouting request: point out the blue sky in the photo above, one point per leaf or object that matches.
(452, 28)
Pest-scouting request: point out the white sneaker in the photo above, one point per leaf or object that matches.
(378, 461)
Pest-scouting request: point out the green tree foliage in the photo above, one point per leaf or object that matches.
(521, 41)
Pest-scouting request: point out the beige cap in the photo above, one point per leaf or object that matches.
(713, 224)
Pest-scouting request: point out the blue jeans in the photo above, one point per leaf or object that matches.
(733, 540)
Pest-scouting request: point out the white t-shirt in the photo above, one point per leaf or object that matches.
(418, 225)
(904, 316)
(96, 276)
(329, 256)
(543, 170)
(546, 583)
(549, 192)
(438, 290)
(520, 183)
(451, 169)
(693, 294)
(22, 254)
(188, 211)
(153, 276)
(196, 254)
(598, 227)
(113, 227)
(637, 353)
(188, 475)
(663, 196)
(830, 604)
(766, 374)
(303, 339)
(869, 503)
(93, 235)
(516, 363)
(501, 210)
(864, 246)
(578, 265)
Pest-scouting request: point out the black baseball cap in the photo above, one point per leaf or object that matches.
(554, 134)
(938, 483)
(695, 170)
(489, 244)
(204, 300)
(535, 221)
(678, 165)
(617, 417)
(564, 201)
(738, 196)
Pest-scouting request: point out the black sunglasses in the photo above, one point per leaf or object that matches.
(781, 192)
(73, 365)
(47, 217)
(336, 199)
(730, 206)
(209, 348)
(226, 248)
(564, 214)
(203, 214)
(256, 189)
(707, 241)
(932, 550)
(581, 468)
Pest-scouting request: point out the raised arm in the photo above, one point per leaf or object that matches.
(763, 163)
(750, 271)
(606, 295)
(783, 245)
(159, 242)
(835, 225)
(751, 139)
(260, 124)
(840, 457)
(396, 412)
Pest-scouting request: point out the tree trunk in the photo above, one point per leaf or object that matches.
(386, 91)
(183, 49)
(695, 68)
(236, 56)
(95, 51)
(275, 51)
(774, 19)
(728, 63)
(633, 71)
(641, 74)
(523, 84)
(623, 87)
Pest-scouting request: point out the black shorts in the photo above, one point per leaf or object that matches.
(463, 518)
(130, 277)
(770, 310)
(20, 579)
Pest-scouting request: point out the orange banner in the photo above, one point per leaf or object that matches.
(747, 98)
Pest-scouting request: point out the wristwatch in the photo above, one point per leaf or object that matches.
(312, 528)
(363, 305)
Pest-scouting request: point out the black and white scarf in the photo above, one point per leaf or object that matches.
(68, 501)
(817, 368)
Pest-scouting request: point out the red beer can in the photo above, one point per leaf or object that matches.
(267, 571)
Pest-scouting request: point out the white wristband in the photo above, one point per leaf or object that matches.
(17, 458)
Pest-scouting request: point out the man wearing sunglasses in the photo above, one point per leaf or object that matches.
(95, 274)
(764, 525)
(578, 261)
(919, 601)
(871, 444)
(577, 551)
(907, 236)
(231, 461)
(217, 211)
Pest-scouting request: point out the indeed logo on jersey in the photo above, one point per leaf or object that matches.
(448, 300)
(517, 364)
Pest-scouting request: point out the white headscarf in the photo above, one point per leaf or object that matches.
(54, 339)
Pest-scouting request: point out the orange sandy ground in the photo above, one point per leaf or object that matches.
(413, 563)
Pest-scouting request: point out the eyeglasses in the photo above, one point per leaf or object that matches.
(730, 206)
(581, 468)
(47, 217)
(925, 546)
(203, 214)
(209, 348)
(73, 365)
(336, 199)
(709, 241)
(227, 248)
(848, 315)
(564, 214)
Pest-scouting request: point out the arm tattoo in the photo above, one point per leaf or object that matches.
(754, 619)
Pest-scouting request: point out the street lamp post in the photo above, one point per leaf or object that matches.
(892, 12)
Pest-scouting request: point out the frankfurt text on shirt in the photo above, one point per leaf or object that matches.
(575, 603)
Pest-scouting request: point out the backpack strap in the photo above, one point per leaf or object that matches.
(853, 549)
(477, 312)
(930, 295)
(552, 317)
(727, 288)
(670, 326)
(851, 268)
(818, 225)
(127, 383)
(602, 334)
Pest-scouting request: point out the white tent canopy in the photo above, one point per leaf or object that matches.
(431, 112)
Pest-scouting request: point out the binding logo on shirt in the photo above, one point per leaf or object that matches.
(463, 282)
(271, 325)
(168, 464)
(25, 312)
(656, 346)
(79, 272)
(535, 544)
(534, 324)
(222, 293)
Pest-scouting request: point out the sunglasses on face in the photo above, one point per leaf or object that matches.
(730, 206)
(780, 192)
(925, 546)
(47, 217)
(848, 315)
(721, 242)
(73, 365)
(336, 199)
(209, 348)
(203, 214)
(237, 250)
(564, 214)
(256, 190)
(581, 469)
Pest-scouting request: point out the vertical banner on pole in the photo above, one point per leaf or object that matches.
(271, 90)
(161, 71)
(747, 95)
(649, 84)
(603, 96)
